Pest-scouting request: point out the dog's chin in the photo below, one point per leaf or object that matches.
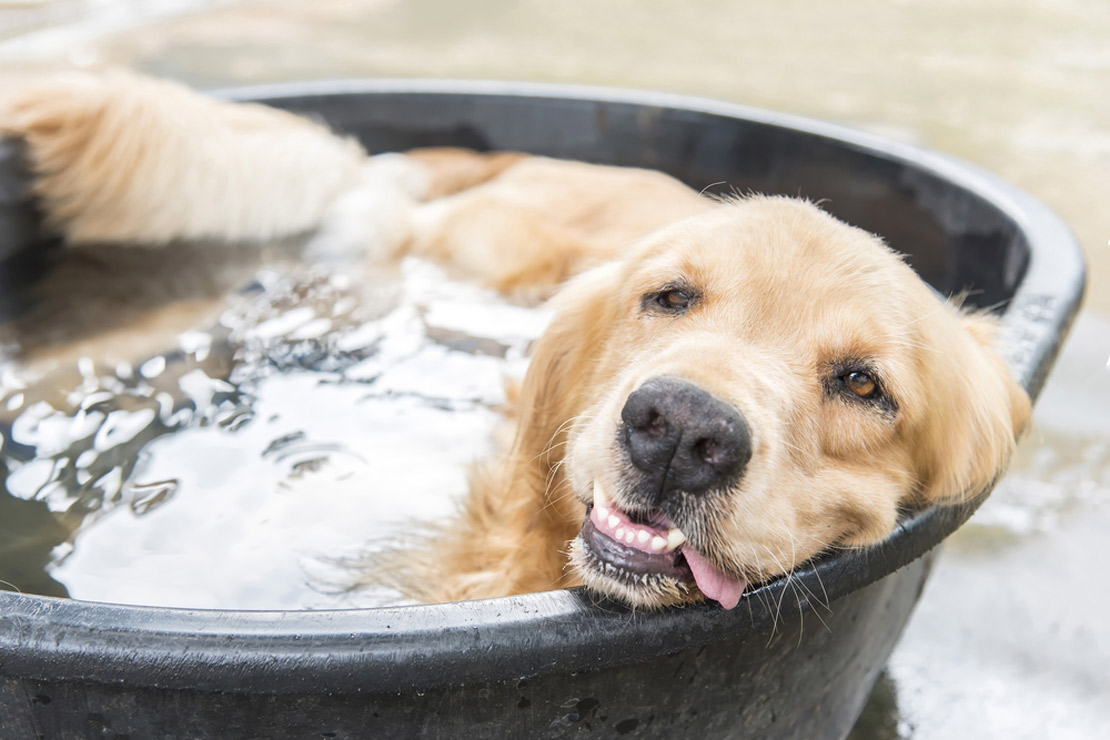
(641, 590)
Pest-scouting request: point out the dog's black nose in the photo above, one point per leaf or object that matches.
(684, 439)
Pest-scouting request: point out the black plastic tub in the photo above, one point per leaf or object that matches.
(557, 664)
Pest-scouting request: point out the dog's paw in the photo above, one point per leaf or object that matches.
(123, 158)
(46, 106)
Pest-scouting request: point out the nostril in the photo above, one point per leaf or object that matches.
(708, 451)
(656, 424)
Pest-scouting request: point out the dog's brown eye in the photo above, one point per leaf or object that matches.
(676, 298)
(673, 300)
(860, 383)
(856, 381)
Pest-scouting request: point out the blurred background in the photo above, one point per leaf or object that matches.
(1011, 638)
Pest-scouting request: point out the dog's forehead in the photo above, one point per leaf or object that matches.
(781, 274)
(781, 246)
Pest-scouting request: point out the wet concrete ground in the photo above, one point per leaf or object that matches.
(1009, 640)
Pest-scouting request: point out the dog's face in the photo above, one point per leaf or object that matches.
(752, 386)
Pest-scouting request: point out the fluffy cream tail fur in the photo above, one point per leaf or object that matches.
(123, 158)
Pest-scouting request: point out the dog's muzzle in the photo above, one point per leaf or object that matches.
(681, 441)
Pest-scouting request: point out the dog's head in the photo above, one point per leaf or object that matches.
(749, 387)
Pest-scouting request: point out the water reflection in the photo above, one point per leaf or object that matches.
(230, 454)
(29, 532)
(881, 719)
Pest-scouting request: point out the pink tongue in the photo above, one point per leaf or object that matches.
(712, 582)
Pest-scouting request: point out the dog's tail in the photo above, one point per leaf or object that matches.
(123, 158)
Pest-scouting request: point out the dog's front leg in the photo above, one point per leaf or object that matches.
(510, 537)
(513, 534)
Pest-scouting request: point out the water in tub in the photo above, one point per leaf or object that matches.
(229, 436)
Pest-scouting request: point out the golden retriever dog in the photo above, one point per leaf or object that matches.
(727, 388)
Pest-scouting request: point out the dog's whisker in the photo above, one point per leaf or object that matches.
(572, 421)
(788, 574)
(564, 429)
(558, 497)
(801, 612)
(796, 584)
(767, 604)
(811, 596)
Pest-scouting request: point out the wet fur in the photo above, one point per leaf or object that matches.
(787, 294)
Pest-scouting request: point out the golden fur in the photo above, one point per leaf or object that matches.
(785, 302)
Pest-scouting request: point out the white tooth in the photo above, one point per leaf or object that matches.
(602, 512)
(613, 520)
(658, 543)
(630, 537)
(675, 537)
(600, 499)
(620, 533)
(643, 536)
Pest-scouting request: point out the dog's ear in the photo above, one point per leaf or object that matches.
(560, 385)
(976, 411)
